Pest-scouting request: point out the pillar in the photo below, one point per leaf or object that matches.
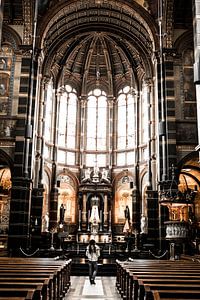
(196, 30)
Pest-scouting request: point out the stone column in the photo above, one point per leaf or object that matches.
(82, 125)
(110, 131)
(196, 30)
(155, 224)
(1, 19)
(54, 190)
(149, 145)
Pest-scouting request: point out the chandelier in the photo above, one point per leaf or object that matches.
(174, 195)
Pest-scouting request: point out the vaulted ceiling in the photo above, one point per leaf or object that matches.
(95, 47)
(13, 10)
(81, 39)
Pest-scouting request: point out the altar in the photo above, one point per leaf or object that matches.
(94, 218)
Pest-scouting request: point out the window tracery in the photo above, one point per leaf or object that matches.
(125, 126)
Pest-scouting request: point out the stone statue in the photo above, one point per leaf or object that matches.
(104, 177)
(126, 228)
(127, 213)
(7, 131)
(62, 214)
(143, 224)
(95, 175)
(46, 222)
(87, 175)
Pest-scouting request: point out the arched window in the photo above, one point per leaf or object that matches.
(48, 120)
(67, 125)
(48, 113)
(67, 118)
(96, 127)
(125, 126)
(144, 115)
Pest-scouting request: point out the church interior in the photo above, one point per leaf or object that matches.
(100, 129)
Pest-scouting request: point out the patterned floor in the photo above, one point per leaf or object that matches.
(81, 289)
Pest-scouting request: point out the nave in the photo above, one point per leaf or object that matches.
(82, 289)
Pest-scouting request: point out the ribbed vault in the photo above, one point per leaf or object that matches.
(99, 40)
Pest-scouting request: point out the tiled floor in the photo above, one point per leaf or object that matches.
(81, 289)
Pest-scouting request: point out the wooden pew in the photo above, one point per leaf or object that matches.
(55, 284)
(28, 294)
(64, 265)
(128, 273)
(58, 273)
(40, 286)
(149, 283)
(175, 295)
(13, 298)
(149, 288)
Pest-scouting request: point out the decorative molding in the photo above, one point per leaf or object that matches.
(28, 21)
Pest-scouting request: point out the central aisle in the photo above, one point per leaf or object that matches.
(81, 289)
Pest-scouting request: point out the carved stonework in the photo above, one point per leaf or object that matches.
(28, 17)
(4, 213)
(170, 54)
(176, 230)
(169, 23)
(95, 175)
(7, 128)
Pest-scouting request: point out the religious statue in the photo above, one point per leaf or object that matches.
(143, 225)
(94, 219)
(87, 175)
(127, 221)
(7, 131)
(46, 222)
(2, 89)
(95, 176)
(104, 177)
(62, 214)
(127, 213)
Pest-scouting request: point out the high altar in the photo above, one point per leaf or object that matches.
(87, 208)
(87, 213)
(95, 207)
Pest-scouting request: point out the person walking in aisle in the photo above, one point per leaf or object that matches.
(93, 253)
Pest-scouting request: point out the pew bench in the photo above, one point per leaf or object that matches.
(148, 295)
(54, 276)
(54, 287)
(129, 273)
(175, 295)
(40, 287)
(13, 298)
(28, 294)
(157, 282)
(130, 284)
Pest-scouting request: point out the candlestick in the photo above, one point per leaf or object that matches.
(110, 221)
(101, 220)
(88, 220)
(79, 220)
